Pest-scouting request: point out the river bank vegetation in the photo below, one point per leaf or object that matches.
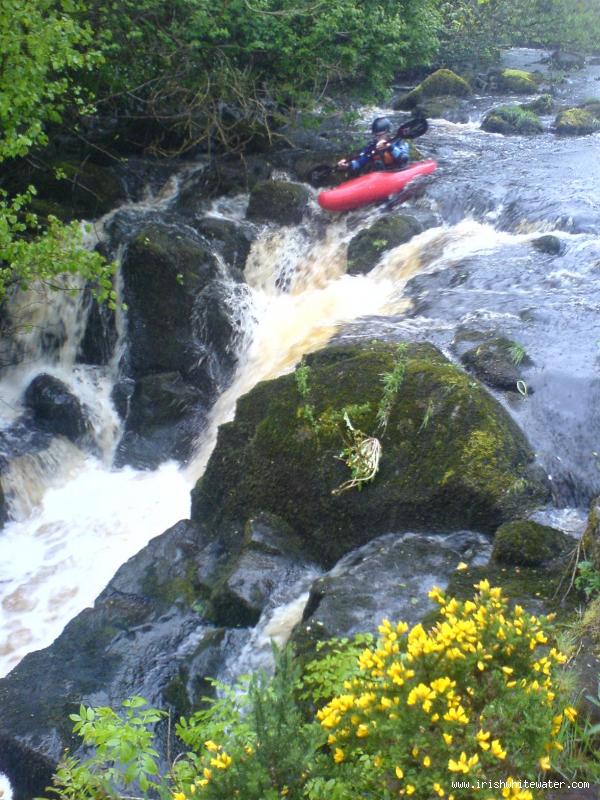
(411, 713)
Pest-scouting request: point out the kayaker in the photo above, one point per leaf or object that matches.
(382, 152)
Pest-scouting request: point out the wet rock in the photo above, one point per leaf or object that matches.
(544, 104)
(511, 120)
(452, 458)
(232, 240)
(121, 396)
(3, 507)
(515, 81)
(219, 326)
(442, 83)
(549, 244)
(56, 409)
(164, 420)
(318, 167)
(388, 578)
(591, 536)
(100, 337)
(282, 202)
(524, 543)
(576, 122)
(499, 362)
(142, 628)
(268, 558)
(226, 175)
(365, 249)
(163, 272)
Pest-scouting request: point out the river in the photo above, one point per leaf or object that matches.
(76, 518)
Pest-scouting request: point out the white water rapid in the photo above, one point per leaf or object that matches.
(76, 519)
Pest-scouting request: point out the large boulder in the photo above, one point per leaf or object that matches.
(282, 202)
(525, 543)
(164, 419)
(511, 120)
(163, 273)
(576, 122)
(366, 248)
(388, 578)
(452, 458)
(56, 409)
(515, 81)
(441, 83)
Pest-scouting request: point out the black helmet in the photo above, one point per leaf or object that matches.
(381, 125)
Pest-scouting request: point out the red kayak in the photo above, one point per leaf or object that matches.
(372, 187)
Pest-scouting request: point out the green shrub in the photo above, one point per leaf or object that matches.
(402, 716)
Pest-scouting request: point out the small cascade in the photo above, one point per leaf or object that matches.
(28, 477)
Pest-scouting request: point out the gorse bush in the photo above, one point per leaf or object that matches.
(472, 698)
(475, 698)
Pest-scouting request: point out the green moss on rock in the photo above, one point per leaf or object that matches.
(529, 544)
(516, 81)
(576, 122)
(452, 457)
(442, 83)
(511, 119)
(366, 248)
(544, 104)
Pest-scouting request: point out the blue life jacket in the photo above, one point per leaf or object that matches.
(395, 154)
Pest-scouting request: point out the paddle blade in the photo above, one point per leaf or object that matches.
(412, 128)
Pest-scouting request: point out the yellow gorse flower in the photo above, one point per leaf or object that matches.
(436, 677)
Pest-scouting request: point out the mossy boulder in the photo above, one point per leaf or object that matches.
(544, 104)
(593, 106)
(365, 249)
(452, 457)
(524, 543)
(282, 202)
(441, 83)
(516, 81)
(499, 362)
(511, 120)
(576, 122)
(163, 273)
